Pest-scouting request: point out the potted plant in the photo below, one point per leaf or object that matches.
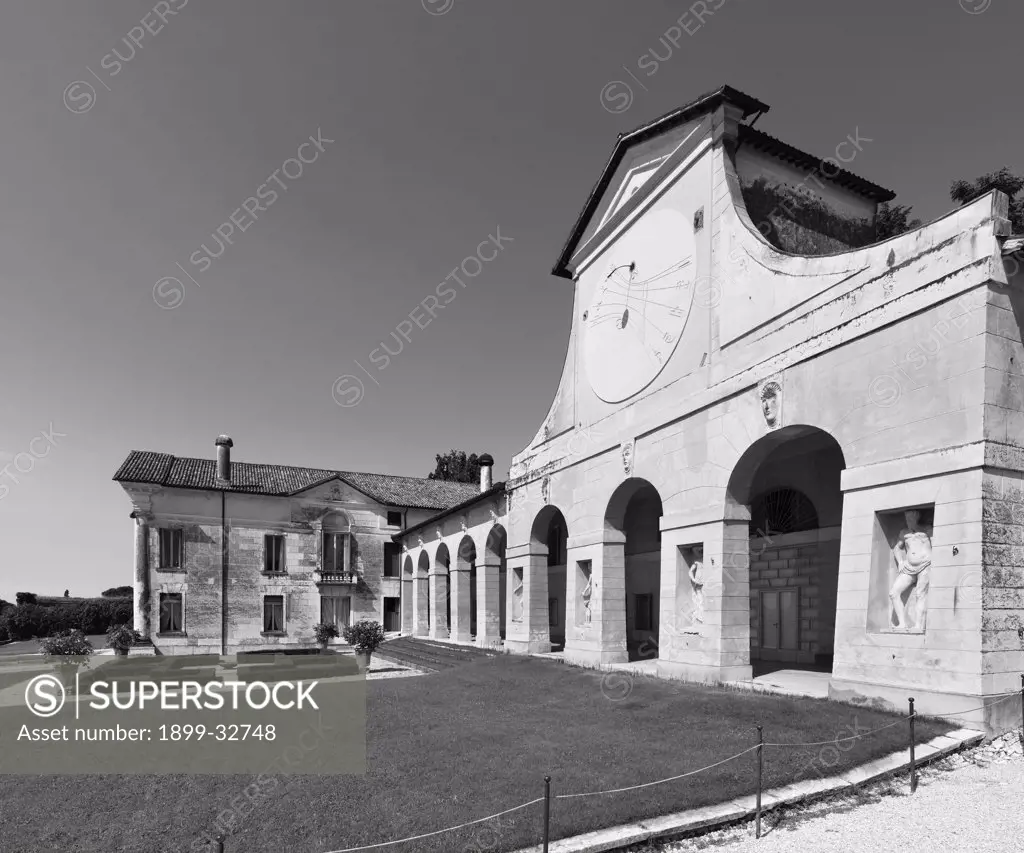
(366, 636)
(121, 638)
(67, 651)
(324, 632)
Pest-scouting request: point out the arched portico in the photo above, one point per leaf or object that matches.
(463, 592)
(490, 590)
(440, 594)
(408, 609)
(421, 596)
(788, 485)
(529, 629)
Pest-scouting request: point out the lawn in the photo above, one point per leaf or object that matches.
(459, 745)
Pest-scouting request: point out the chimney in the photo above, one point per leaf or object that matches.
(224, 445)
(486, 463)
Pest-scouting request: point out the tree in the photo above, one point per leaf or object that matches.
(67, 593)
(965, 192)
(456, 467)
(893, 219)
(25, 598)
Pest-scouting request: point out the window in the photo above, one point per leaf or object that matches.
(335, 552)
(172, 548)
(273, 614)
(273, 553)
(172, 613)
(643, 614)
(392, 614)
(336, 610)
(394, 518)
(391, 556)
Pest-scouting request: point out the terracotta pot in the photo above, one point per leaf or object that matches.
(363, 660)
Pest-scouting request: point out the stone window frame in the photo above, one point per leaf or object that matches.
(267, 553)
(180, 533)
(284, 616)
(392, 512)
(160, 613)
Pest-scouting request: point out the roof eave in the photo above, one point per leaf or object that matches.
(491, 492)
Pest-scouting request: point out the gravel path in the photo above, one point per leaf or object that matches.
(961, 806)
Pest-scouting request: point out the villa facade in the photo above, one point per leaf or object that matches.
(775, 441)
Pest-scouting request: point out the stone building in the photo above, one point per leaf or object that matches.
(774, 441)
(303, 546)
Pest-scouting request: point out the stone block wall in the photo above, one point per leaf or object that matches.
(808, 561)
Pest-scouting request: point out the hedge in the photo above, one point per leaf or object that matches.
(92, 616)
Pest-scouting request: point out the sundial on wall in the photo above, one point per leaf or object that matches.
(642, 296)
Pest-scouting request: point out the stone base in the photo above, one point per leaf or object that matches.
(594, 657)
(527, 647)
(438, 634)
(704, 673)
(488, 642)
(998, 717)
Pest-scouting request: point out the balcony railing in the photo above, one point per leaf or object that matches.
(333, 576)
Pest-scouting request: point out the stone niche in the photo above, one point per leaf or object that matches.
(901, 554)
(690, 581)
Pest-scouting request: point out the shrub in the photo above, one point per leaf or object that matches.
(366, 635)
(118, 592)
(325, 631)
(71, 643)
(92, 616)
(122, 636)
(25, 598)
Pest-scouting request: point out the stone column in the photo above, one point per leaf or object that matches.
(143, 596)
(531, 634)
(488, 603)
(461, 604)
(420, 624)
(438, 605)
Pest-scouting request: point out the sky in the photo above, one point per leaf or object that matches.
(442, 130)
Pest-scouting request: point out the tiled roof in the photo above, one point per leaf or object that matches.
(162, 469)
(496, 489)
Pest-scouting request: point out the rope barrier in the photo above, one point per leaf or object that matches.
(660, 781)
(438, 832)
(840, 739)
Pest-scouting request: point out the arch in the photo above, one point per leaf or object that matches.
(786, 487)
(463, 591)
(336, 521)
(440, 594)
(549, 536)
(492, 592)
(633, 523)
(421, 595)
(407, 599)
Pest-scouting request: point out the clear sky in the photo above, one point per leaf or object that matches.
(448, 120)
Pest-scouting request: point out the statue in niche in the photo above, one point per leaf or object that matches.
(697, 581)
(913, 554)
(771, 403)
(517, 601)
(585, 597)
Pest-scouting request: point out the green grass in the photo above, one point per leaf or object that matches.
(451, 747)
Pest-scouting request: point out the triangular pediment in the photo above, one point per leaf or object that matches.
(335, 490)
(640, 159)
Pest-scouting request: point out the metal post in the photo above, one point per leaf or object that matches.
(1022, 710)
(760, 776)
(547, 811)
(913, 768)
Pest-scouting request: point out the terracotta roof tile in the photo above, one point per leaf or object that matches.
(144, 466)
